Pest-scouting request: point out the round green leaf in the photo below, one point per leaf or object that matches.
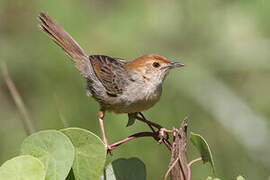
(54, 149)
(200, 143)
(22, 168)
(90, 153)
(125, 169)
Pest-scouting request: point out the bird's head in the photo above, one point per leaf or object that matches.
(152, 67)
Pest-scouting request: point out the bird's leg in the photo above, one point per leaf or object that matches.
(161, 130)
(146, 121)
(150, 123)
(100, 119)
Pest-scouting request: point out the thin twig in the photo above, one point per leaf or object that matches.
(189, 165)
(188, 173)
(194, 160)
(28, 125)
(137, 135)
(141, 134)
(159, 127)
(62, 117)
(167, 143)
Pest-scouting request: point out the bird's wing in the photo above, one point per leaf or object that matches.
(111, 72)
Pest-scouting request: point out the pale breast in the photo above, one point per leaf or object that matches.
(137, 97)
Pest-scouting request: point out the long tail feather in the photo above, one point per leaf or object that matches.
(58, 34)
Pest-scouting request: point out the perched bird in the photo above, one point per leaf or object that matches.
(118, 85)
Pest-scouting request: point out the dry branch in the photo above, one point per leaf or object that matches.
(18, 100)
(178, 167)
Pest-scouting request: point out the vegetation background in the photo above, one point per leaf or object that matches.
(224, 88)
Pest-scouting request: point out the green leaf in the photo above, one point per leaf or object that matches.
(22, 168)
(90, 153)
(125, 169)
(54, 149)
(240, 178)
(204, 149)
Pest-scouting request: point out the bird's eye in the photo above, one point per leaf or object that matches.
(156, 64)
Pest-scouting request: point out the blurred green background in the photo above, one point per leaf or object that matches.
(223, 89)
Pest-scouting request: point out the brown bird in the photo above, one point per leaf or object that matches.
(118, 85)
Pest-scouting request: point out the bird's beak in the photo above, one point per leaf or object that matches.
(172, 65)
(176, 64)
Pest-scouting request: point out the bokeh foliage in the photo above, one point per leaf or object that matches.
(224, 88)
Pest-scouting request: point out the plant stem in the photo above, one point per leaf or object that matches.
(189, 164)
(194, 160)
(137, 135)
(28, 125)
(141, 134)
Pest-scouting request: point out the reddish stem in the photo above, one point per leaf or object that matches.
(194, 160)
(190, 163)
(137, 135)
(188, 173)
(167, 143)
(141, 134)
(154, 134)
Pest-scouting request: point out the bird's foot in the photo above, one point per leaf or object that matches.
(162, 132)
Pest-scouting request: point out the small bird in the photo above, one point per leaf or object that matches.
(118, 85)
